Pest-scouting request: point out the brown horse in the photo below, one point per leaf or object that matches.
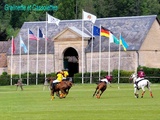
(69, 84)
(63, 87)
(101, 87)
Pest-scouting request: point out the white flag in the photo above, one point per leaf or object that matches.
(88, 16)
(52, 19)
(111, 40)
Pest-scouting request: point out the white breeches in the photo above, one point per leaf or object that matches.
(104, 80)
(55, 81)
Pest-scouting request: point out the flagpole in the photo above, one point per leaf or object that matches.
(28, 61)
(82, 50)
(11, 59)
(37, 56)
(119, 62)
(109, 58)
(20, 58)
(91, 55)
(46, 48)
(100, 54)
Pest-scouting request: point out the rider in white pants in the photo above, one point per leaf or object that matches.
(104, 80)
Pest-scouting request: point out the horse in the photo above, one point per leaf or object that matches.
(69, 84)
(101, 87)
(63, 86)
(141, 85)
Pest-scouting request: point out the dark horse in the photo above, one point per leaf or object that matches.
(101, 87)
(63, 87)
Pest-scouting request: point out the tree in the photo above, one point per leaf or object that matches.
(66, 10)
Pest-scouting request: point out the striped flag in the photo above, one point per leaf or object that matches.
(32, 36)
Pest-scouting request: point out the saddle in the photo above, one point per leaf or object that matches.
(138, 82)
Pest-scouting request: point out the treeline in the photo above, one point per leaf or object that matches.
(14, 13)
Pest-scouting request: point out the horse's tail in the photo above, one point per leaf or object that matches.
(148, 84)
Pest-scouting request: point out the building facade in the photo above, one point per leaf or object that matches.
(67, 42)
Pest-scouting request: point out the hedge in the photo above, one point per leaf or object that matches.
(153, 74)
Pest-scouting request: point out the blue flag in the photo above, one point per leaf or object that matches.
(96, 31)
(23, 45)
(123, 43)
(41, 34)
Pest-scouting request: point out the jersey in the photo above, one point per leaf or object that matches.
(65, 74)
(141, 74)
(59, 77)
(109, 78)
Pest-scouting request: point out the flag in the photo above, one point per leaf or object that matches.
(52, 19)
(116, 40)
(13, 46)
(113, 39)
(88, 16)
(41, 35)
(32, 36)
(23, 45)
(123, 43)
(105, 32)
(96, 31)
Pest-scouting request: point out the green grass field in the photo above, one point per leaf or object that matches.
(115, 104)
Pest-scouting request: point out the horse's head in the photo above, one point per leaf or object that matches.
(50, 79)
(133, 76)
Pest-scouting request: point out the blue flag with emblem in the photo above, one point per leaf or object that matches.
(96, 31)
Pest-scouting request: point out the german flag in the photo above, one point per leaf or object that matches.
(105, 32)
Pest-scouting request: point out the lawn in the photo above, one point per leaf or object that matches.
(115, 104)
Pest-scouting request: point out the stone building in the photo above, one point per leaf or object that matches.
(64, 45)
(4, 46)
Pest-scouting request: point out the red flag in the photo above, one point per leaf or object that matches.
(13, 48)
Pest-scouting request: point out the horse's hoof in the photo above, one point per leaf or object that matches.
(141, 96)
(98, 96)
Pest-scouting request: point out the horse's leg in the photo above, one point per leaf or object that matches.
(143, 92)
(63, 93)
(151, 94)
(101, 92)
(97, 95)
(150, 90)
(57, 93)
(94, 92)
(148, 85)
(135, 92)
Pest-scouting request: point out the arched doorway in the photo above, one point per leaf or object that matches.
(70, 61)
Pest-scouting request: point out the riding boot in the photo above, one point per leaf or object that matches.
(53, 86)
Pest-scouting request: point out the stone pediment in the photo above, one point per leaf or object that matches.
(71, 33)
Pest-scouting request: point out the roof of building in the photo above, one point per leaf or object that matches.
(76, 31)
(133, 29)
